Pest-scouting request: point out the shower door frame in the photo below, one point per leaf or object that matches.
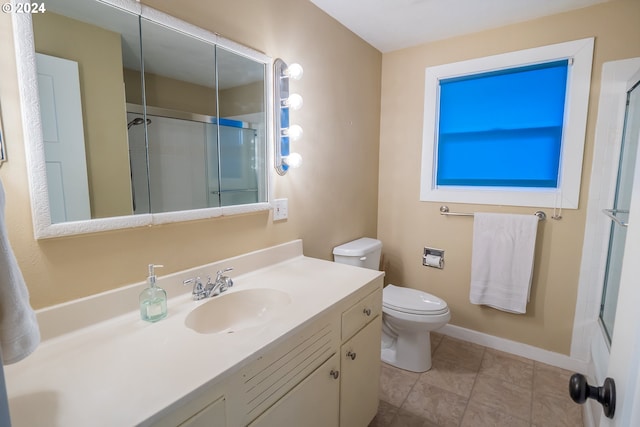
(624, 360)
(619, 210)
(589, 346)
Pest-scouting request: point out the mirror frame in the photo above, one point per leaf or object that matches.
(34, 146)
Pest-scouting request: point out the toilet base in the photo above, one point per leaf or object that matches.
(414, 356)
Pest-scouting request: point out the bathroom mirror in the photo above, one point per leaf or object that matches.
(2, 155)
(168, 120)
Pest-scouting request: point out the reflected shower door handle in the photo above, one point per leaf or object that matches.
(611, 213)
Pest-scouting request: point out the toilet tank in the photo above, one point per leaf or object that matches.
(364, 252)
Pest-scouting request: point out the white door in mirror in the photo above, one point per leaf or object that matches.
(63, 135)
(280, 209)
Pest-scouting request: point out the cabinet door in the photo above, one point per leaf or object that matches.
(360, 376)
(312, 403)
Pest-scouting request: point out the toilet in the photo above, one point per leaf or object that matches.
(408, 315)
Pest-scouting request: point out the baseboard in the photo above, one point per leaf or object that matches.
(513, 347)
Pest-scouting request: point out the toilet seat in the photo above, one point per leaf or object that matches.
(412, 301)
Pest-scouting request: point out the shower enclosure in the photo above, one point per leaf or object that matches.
(175, 163)
(619, 214)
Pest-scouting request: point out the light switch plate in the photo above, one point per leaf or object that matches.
(280, 209)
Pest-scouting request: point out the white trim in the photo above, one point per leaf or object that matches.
(588, 419)
(513, 347)
(34, 147)
(579, 83)
(604, 170)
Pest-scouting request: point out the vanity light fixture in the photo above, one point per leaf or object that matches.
(284, 102)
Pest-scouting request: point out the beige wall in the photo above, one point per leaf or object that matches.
(405, 225)
(332, 197)
(98, 53)
(165, 92)
(240, 100)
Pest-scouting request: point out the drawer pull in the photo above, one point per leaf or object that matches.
(351, 355)
(367, 311)
(334, 374)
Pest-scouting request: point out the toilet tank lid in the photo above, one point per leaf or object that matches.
(359, 247)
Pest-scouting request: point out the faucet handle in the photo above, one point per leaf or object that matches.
(194, 280)
(198, 288)
(221, 272)
(223, 282)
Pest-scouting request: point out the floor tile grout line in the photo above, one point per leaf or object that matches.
(475, 380)
(393, 419)
(533, 386)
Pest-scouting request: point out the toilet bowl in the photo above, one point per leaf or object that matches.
(408, 315)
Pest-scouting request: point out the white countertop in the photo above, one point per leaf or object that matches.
(122, 371)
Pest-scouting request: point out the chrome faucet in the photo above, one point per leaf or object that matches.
(211, 289)
(221, 284)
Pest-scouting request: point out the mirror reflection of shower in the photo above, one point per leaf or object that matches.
(137, 121)
(175, 162)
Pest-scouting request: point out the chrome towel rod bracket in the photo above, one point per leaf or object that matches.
(444, 210)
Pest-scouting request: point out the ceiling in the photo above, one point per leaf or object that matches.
(390, 25)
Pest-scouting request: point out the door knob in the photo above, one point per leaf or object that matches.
(580, 391)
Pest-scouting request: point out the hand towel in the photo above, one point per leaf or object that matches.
(19, 332)
(502, 260)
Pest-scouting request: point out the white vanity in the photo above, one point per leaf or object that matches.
(310, 358)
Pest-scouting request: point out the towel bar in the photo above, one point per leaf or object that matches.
(444, 210)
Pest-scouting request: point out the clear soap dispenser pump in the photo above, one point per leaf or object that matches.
(153, 300)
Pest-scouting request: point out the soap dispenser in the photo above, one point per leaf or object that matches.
(153, 300)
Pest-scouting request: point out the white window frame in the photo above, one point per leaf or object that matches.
(580, 55)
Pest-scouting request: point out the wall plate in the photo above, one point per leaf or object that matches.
(280, 209)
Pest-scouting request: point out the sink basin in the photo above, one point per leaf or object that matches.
(237, 311)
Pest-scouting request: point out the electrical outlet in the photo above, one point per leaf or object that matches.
(280, 209)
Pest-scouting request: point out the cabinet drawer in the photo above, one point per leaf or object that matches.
(361, 313)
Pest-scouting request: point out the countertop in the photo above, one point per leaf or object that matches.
(121, 371)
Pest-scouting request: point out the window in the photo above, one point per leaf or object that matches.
(508, 129)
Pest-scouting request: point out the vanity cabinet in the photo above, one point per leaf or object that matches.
(211, 415)
(360, 361)
(360, 372)
(312, 403)
(343, 391)
(324, 375)
(312, 360)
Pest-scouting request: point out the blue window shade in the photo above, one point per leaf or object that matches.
(502, 128)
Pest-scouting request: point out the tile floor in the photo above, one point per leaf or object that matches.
(473, 386)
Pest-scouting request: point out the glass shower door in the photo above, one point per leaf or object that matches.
(619, 214)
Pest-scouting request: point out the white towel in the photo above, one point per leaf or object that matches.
(19, 332)
(502, 260)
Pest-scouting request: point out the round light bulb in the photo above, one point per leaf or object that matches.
(294, 101)
(293, 160)
(295, 71)
(295, 132)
